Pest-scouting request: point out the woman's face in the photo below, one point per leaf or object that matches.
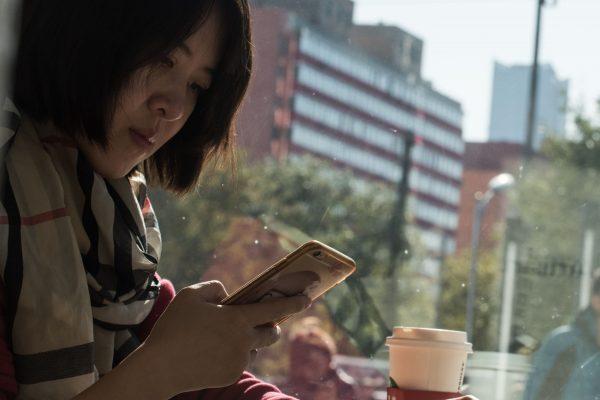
(315, 366)
(158, 102)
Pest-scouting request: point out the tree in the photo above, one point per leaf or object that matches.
(310, 196)
(455, 276)
(193, 226)
(583, 153)
(353, 215)
(557, 197)
(327, 204)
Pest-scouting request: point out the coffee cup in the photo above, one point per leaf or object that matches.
(429, 360)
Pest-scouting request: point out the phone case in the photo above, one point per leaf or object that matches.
(312, 269)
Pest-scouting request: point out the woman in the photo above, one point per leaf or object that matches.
(106, 95)
(312, 373)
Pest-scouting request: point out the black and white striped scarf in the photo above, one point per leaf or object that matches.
(78, 256)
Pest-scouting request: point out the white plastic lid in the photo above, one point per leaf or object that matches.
(410, 336)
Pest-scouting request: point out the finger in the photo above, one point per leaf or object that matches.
(211, 291)
(264, 336)
(273, 310)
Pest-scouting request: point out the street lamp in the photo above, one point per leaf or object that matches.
(497, 184)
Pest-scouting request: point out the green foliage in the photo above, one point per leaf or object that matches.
(583, 153)
(354, 311)
(193, 226)
(453, 303)
(327, 204)
(324, 203)
(307, 194)
(555, 202)
(556, 199)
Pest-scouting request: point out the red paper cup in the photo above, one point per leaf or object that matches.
(402, 394)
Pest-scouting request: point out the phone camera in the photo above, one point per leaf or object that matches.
(318, 255)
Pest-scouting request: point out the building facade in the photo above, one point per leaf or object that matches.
(390, 44)
(482, 162)
(314, 93)
(335, 15)
(510, 104)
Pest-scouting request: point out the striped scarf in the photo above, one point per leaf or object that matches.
(78, 256)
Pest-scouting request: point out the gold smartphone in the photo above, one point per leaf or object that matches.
(312, 269)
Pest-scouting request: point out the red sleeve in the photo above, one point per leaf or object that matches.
(8, 382)
(165, 295)
(246, 388)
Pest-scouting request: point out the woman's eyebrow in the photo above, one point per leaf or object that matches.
(188, 52)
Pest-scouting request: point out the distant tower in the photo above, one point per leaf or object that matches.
(509, 104)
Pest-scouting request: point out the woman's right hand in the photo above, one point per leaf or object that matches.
(201, 344)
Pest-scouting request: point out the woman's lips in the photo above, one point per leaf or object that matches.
(142, 140)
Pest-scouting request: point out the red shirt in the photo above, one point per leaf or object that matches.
(246, 388)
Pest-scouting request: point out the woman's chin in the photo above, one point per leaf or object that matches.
(113, 172)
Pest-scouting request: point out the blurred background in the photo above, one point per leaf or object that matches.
(452, 148)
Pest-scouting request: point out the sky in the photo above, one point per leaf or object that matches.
(463, 38)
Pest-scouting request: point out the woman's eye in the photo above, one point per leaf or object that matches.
(197, 88)
(168, 62)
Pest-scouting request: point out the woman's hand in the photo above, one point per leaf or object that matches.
(200, 343)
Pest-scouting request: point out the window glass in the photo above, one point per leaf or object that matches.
(413, 137)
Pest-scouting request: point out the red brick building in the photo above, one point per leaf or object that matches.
(482, 162)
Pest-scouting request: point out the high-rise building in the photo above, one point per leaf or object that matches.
(315, 93)
(391, 45)
(510, 104)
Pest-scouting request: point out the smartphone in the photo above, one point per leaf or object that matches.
(312, 269)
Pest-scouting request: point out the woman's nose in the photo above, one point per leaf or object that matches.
(168, 107)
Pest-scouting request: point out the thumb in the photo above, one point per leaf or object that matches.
(211, 291)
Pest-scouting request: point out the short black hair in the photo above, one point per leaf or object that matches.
(76, 56)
